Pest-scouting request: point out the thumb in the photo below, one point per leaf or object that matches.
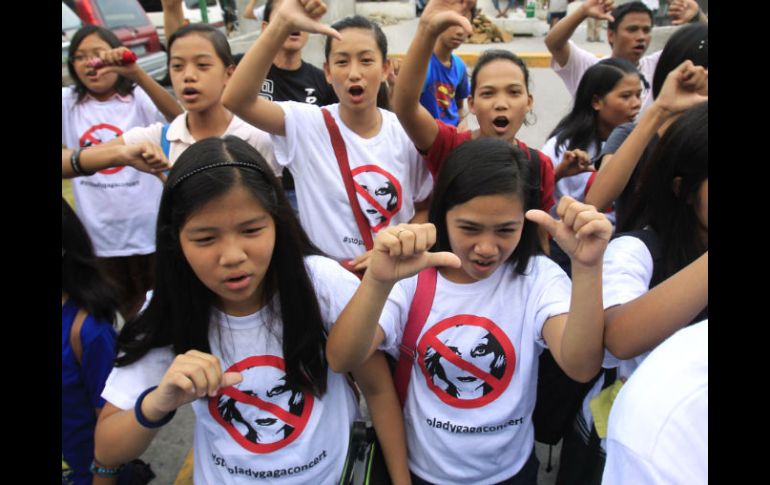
(326, 30)
(443, 258)
(607, 17)
(230, 379)
(543, 219)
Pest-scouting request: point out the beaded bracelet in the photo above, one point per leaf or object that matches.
(103, 471)
(75, 163)
(144, 421)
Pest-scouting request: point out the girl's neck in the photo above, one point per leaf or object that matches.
(103, 96)
(211, 122)
(288, 60)
(365, 123)
(603, 131)
(475, 134)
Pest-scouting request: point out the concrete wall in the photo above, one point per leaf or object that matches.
(404, 9)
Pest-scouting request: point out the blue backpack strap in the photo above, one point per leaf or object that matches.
(164, 143)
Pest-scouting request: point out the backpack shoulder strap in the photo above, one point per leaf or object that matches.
(75, 343)
(418, 315)
(165, 145)
(341, 153)
(534, 157)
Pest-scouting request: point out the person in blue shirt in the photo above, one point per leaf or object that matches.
(89, 308)
(446, 84)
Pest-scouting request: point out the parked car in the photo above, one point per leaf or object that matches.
(70, 23)
(192, 14)
(129, 22)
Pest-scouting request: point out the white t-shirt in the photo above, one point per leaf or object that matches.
(388, 172)
(260, 430)
(475, 425)
(118, 206)
(575, 186)
(626, 275)
(664, 439)
(580, 60)
(180, 138)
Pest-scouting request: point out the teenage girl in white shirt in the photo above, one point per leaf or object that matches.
(492, 280)
(236, 327)
(356, 66)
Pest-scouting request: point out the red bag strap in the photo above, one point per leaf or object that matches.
(418, 315)
(338, 144)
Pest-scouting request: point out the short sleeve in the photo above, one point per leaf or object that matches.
(616, 138)
(463, 87)
(298, 117)
(627, 271)
(98, 342)
(67, 103)
(395, 314)
(141, 134)
(151, 112)
(445, 142)
(124, 384)
(547, 183)
(420, 177)
(551, 294)
(624, 466)
(333, 284)
(578, 63)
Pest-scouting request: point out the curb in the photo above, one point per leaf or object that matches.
(532, 59)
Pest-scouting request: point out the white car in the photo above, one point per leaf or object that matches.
(192, 13)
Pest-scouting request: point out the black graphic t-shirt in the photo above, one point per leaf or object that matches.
(305, 85)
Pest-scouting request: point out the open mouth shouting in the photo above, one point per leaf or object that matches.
(501, 124)
(190, 94)
(356, 93)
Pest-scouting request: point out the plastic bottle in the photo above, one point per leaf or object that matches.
(530, 9)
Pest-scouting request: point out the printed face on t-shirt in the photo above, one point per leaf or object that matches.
(258, 425)
(474, 345)
(379, 195)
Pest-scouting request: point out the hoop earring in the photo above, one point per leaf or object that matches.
(530, 118)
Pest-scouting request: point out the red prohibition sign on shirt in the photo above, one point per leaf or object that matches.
(382, 192)
(90, 138)
(494, 350)
(271, 410)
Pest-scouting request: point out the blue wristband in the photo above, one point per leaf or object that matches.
(103, 471)
(144, 421)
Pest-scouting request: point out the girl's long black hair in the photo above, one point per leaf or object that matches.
(81, 277)
(681, 152)
(485, 166)
(180, 311)
(580, 128)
